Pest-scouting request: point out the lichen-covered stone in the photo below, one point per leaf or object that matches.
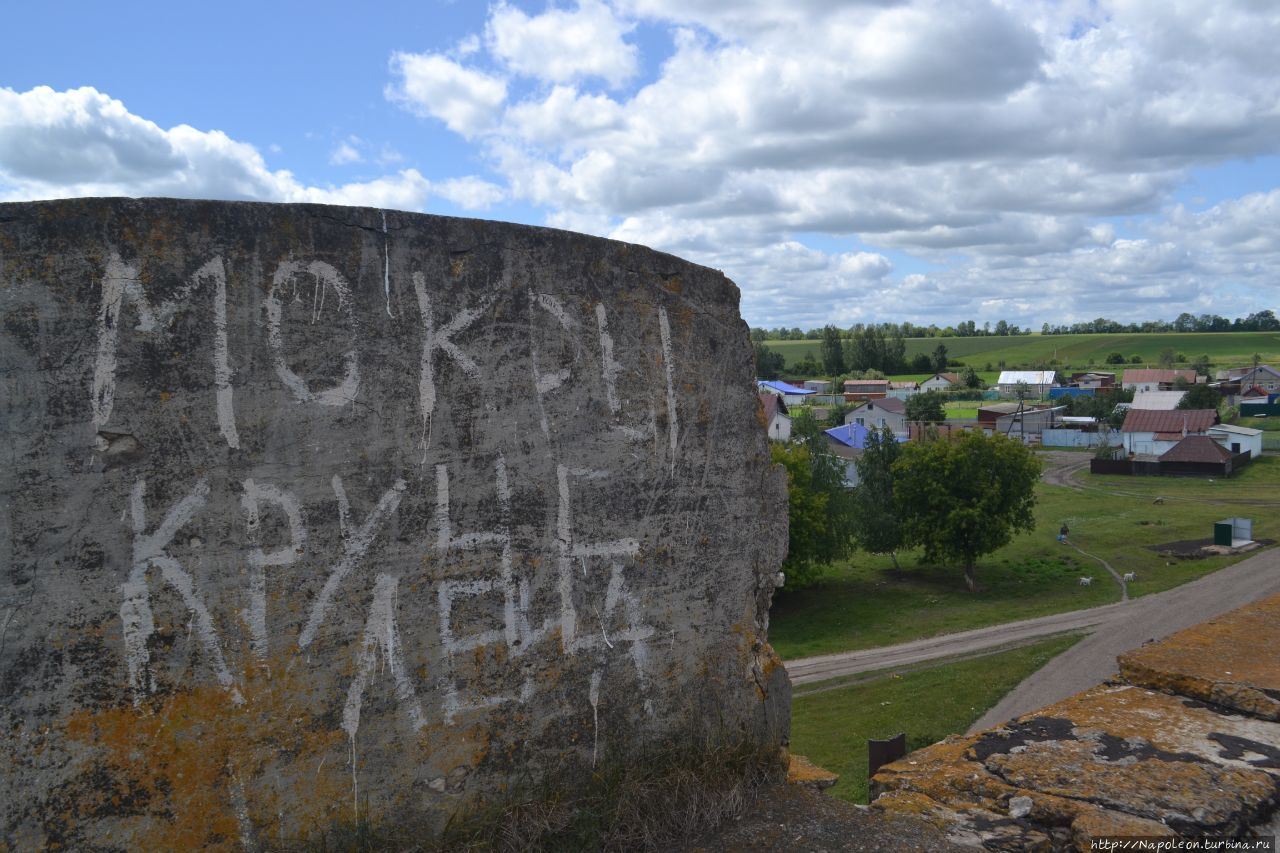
(802, 771)
(1115, 760)
(315, 512)
(1221, 661)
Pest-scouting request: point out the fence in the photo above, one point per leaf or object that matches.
(1076, 438)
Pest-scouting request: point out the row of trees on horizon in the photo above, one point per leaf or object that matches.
(1260, 321)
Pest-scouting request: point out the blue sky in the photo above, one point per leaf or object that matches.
(842, 161)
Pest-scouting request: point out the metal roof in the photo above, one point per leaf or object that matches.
(1031, 377)
(782, 387)
(1159, 400)
(1196, 448)
(1148, 420)
(1238, 430)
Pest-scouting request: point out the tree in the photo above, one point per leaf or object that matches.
(1200, 396)
(940, 359)
(819, 506)
(921, 363)
(769, 364)
(926, 408)
(959, 500)
(1115, 358)
(1167, 356)
(970, 379)
(832, 350)
(876, 526)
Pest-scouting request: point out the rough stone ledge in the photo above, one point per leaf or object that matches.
(1190, 746)
(1218, 661)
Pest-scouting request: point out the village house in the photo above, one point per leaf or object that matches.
(846, 444)
(903, 390)
(791, 395)
(1199, 456)
(1155, 379)
(865, 389)
(1037, 382)
(941, 382)
(1238, 439)
(1263, 376)
(1151, 433)
(822, 386)
(776, 417)
(1095, 379)
(1030, 424)
(877, 414)
(989, 413)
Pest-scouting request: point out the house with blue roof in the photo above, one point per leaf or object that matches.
(791, 395)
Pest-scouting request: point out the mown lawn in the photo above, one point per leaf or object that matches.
(865, 602)
(1265, 424)
(831, 727)
(961, 409)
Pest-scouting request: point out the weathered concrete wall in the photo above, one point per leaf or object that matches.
(308, 507)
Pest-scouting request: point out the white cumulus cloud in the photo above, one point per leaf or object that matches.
(562, 45)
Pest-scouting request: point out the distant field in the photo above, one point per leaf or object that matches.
(1077, 351)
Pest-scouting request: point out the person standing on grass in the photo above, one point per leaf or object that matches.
(1062, 534)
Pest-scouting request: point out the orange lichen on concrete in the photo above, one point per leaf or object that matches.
(1218, 661)
(802, 771)
(194, 769)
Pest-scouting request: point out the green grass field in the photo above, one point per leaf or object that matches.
(865, 602)
(961, 409)
(1077, 351)
(831, 727)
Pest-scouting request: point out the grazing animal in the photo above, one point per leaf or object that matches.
(1129, 576)
(1086, 581)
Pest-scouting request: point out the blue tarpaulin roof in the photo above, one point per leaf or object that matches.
(782, 387)
(852, 434)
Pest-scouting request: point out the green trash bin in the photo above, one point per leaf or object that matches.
(1222, 532)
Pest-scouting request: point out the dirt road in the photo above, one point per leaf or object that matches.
(1112, 628)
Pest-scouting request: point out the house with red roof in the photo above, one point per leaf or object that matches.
(1148, 432)
(1200, 456)
(776, 417)
(1148, 379)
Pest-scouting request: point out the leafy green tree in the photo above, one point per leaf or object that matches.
(970, 379)
(1200, 396)
(926, 408)
(769, 363)
(1166, 357)
(876, 525)
(1202, 365)
(807, 366)
(1115, 358)
(921, 363)
(960, 500)
(940, 359)
(832, 351)
(820, 507)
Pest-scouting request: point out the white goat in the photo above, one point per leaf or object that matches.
(1085, 581)
(1129, 577)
